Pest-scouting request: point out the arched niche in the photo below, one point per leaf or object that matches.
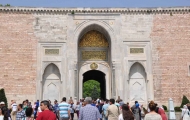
(137, 83)
(51, 83)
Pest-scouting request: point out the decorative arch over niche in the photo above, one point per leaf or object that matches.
(51, 68)
(135, 62)
(45, 65)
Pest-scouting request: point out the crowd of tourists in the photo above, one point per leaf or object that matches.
(85, 109)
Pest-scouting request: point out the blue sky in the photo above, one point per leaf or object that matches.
(97, 3)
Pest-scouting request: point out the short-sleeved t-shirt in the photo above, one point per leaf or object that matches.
(46, 115)
(14, 107)
(63, 109)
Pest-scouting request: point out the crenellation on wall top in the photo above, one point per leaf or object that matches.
(96, 10)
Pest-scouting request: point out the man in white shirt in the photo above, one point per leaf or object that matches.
(14, 110)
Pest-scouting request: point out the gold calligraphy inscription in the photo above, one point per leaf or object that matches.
(51, 51)
(93, 39)
(94, 55)
(136, 50)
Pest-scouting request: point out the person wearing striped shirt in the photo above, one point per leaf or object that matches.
(64, 110)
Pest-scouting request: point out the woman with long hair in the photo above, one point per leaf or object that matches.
(152, 115)
(126, 113)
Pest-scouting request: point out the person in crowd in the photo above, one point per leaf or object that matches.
(46, 114)
(117, 103)
(25, 105)
(36, 109)
(1, 114)
(64, 111)
(80, 104)
(83, 104)
(72, 110)
(20, 113)
(152, 115)
(34, 106)
(185, 113)
(5, 111)
(128, 105)
(104, 109)
(56, 109)
(14, 110)
(89, 112)
(126, 113)
(50, 106)
(93, 103)
(28, 113)
(99, 106)
(161, 112)
(136, 111)
(121, 102)
(112, 112)
(143, 112)
(77, 109)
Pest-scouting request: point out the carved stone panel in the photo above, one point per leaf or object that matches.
(51, 51)
(51, 90)
(94, 55)
(136, 50)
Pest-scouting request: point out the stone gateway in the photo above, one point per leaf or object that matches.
(138, 54)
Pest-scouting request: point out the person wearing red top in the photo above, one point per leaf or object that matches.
(162, 113)
(46, 114)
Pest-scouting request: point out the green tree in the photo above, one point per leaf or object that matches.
(95, 93)
(7, 5)
(184, 101)
(3, 96)
(91, 88)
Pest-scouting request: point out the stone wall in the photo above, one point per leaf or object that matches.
(165, 37)
(18, 48)
(171, 56)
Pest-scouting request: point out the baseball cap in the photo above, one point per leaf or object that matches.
(2, 103)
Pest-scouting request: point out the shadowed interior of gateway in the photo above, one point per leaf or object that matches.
(99, 77)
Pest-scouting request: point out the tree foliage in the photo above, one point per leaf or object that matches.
(184, 101)
(3, 96)
(91, 88)
(7, 5)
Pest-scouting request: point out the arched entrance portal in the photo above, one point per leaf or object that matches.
(98, 76)
(94, 49)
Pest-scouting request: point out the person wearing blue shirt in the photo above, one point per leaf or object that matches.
(64, 110)
(104, 108)
(56, 108)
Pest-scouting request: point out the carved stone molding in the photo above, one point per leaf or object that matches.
(73, 11)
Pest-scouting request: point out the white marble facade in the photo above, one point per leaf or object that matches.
(127, 74)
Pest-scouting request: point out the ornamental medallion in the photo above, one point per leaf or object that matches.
(93, 66)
